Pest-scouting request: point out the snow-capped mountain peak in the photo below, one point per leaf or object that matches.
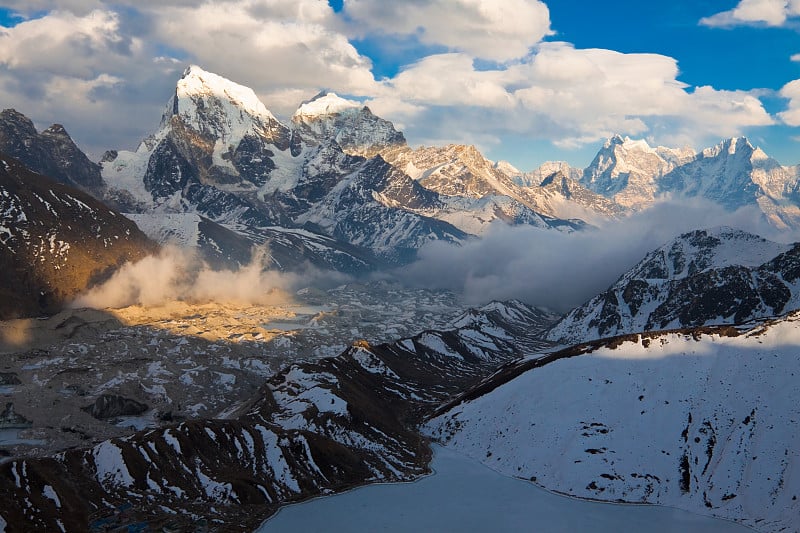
(730, 146)
(701, 250)
(627, 144)
(196, 84)
(351, 124)
(326, 103)
(625, 170)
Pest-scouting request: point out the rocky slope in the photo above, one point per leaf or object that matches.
(313, 428)
(55, 241)
(50, 153)
(713, 276)
(698, 419)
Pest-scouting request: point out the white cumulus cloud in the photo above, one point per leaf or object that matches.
(488, 29)
(767, 12)
(567, 95)
(274, 46)
(791, 115)
(107, 73)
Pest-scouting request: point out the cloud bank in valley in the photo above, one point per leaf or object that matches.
(561, 271)
(178, 274)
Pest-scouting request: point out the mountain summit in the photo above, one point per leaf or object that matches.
(351, 124)
(626, 170)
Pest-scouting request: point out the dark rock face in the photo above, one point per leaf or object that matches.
(110, 406)
(55, 241)
(51, 152)
(729, 292)
(168, 171)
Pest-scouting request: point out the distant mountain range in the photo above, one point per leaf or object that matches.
(338, 187)
(733, 174)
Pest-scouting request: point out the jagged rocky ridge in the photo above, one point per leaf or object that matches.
(55, 241)
(51, 153)
(219, 153)
(701, 419)
(715, 276)
(733, 174)
(313, 428)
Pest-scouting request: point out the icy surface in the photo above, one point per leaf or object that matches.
(463, 495)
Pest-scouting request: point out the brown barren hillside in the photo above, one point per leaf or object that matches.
(55, 241)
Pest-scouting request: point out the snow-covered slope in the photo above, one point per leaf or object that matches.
(375, 208)
(712, 276)
(735, 174)
(703, 420)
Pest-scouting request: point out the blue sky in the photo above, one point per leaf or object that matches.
(749, 57)
(524, 80)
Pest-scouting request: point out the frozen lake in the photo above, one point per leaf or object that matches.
(465, 496)
(10, 437)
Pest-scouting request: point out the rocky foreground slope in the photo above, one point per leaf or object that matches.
(55, 241)
(700, 419)
(313, 428)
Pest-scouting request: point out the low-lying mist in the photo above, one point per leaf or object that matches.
(546, 268)
(560, 271)
(179, 274)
